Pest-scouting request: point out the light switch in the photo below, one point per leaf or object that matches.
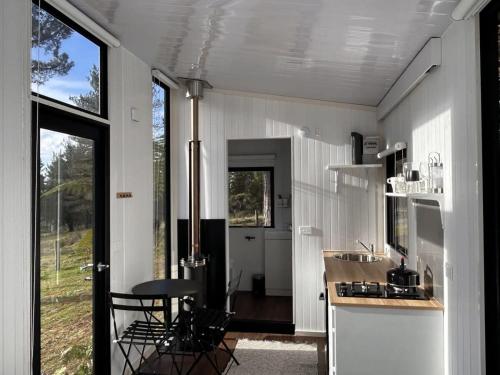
(305, 230)
(134, 114)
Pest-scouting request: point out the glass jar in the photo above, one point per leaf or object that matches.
(435, 173)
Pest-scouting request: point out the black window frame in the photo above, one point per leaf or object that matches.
(60, 121)
(392, 202)
(490, 113)
(103, 62)
(168, 206)
(257, 169)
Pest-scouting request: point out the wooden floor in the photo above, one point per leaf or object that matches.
(274, 308)
(164, 364)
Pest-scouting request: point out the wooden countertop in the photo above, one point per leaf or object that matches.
(337, 271)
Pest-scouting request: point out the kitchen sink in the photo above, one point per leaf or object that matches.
(357, 257)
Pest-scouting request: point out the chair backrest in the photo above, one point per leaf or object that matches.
(137, 303)
(232, 288)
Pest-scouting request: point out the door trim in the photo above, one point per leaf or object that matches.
(99, 133)
(490, 93)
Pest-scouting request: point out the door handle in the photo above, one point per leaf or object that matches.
(101, 267)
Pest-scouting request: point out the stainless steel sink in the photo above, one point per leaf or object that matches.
(358, 257)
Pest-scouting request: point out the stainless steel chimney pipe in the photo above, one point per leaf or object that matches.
(194, 93)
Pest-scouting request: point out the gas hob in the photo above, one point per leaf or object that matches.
(364, 289)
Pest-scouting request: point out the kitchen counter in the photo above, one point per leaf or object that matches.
(337, 271)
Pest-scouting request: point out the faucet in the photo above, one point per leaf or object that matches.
(369, 249)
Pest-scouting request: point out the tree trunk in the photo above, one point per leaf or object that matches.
(267, 200)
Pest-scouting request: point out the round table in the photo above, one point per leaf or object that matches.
(173, 288)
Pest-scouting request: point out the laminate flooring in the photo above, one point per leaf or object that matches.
(271, 308)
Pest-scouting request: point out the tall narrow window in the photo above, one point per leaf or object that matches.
(161, 181)
(68, 64)
(397, 208)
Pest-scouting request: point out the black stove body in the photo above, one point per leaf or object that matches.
(366, 289)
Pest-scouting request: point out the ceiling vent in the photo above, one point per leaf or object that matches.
(426, 60)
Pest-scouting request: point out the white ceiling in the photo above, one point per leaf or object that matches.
(340, 50)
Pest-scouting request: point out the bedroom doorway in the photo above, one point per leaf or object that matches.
(260, 234)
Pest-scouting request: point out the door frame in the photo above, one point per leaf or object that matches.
(262, 325)
(490, 112)
(62, 121)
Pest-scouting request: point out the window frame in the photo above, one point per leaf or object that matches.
(256, 169)
(103, 62)
(167, 173)
(392, 203)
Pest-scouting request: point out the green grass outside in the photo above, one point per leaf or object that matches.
(66, 306)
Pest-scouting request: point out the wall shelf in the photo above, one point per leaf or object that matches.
(423, 196)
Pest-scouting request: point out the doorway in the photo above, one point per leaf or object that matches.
(71, 256)
(260, 234)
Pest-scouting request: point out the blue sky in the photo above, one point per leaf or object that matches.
(84, 54)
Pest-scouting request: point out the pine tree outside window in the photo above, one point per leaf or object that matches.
(251, 194)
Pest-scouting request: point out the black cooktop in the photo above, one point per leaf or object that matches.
(367, 289)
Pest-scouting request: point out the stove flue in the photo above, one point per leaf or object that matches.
(194, 264)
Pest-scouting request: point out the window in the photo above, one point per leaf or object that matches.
(397, 208)
(161, 190)
(68, 65)
(251, 192)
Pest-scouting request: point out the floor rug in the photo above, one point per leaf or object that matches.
(274, 358)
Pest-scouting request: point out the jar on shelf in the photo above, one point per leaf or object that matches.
(435, 173)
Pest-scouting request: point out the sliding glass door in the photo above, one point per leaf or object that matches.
(71, 259)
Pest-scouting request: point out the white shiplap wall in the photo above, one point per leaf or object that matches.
(338, 219)
(131, 169)
(442, 114)
(15, 187)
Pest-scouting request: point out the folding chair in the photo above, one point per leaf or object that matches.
(148, 330)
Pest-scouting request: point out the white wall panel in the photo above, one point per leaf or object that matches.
(131, 167)
(338, 219)
(15, 187)
(442, 114)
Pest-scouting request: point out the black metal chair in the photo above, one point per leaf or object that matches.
(210, 325)
(148, 330)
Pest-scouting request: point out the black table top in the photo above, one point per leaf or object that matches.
(174, 288)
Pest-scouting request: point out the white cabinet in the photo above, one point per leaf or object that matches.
(368, 341)
(278, 263)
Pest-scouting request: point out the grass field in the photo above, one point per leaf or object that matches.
(66, 302)
(66, 307)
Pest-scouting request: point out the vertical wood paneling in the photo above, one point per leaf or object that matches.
(15, 188)
(338, 219)
(442, 114)
(131, 169)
